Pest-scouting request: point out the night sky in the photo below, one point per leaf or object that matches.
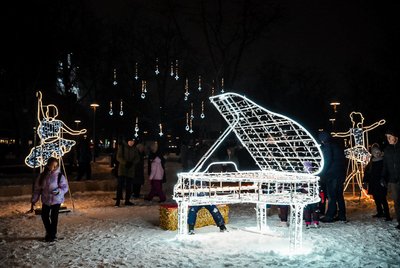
(292, 57)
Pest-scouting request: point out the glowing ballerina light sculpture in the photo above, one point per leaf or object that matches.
(51, 134)
(287, 155)
(357, 152)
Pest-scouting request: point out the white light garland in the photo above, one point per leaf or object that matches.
(287, 155)
(111, 109)
(357, 153)
(115, 77)
(50, 132)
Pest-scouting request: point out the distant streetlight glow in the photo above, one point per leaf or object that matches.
(334, 104)
(94, 106)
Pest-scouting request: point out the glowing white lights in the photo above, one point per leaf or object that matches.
(357, 152)
(287, 155)
(51, 133)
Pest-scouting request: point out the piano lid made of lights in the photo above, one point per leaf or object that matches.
(287, 155)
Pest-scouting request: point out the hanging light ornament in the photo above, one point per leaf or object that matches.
(115, 77)
(121, 112)
(199, 88)
(186, 89)
(191, 111)
(172, 68)
(202, 115)
(161, 132)
(111, 109)
(137, 127)
(176, 70)
(191, 126)
(212, 88)
(157, 71)
(187, 122)
(144, 90)
(136, 71)
(69, 60)
(222, 85)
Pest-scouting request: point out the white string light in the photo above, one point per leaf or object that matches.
(136, 71)
(115, 77)
(186, 89)
(287, 155)
(157, 70)
(111, 109)
(176, 70)
(50, 132)
(199, 87)
(202, 115)
(137, 127)
(121, 112)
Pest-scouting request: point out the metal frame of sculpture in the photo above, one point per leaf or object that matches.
(357, 152)
(287, 155)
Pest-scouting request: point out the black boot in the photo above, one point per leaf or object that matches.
(191, 229)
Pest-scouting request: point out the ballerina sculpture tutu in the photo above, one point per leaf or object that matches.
(358, 151)
(50, 132)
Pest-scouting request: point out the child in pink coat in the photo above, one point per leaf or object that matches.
(156, 177)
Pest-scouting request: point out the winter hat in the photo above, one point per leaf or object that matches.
(392, 131)
(375, 149)
(324, 136)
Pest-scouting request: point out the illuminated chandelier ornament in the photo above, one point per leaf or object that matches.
(144, 90)
(137, 127)
(212, 89)
(172, 69)
(287, 155)
(202, 115)
(111, 109)
(222, 85)
(199, 87)
(191, 111)
(157, 71)
(121, 111)
(136, 71)
(51, 134)
(176, 70)
(186, 90)
(161, 131)
(115, 77)
(187, 122)
(357, 152)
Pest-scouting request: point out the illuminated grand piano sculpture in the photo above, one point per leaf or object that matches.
(287, 155)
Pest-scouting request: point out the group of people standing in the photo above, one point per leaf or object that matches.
(130, 158)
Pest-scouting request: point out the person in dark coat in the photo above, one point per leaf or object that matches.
(84, 157)
(333, 176)
(138, 180)
(128, 157)
(372, 177)
(391, 169)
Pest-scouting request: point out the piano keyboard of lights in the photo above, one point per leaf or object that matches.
(287, 155)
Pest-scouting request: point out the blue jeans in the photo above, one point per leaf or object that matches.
(215, 213)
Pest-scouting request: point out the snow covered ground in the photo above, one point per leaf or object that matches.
(96, 234)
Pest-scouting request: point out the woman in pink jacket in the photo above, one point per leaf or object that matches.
(51, 186)
(156, 175)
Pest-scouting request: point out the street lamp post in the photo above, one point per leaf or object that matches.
(94, 106)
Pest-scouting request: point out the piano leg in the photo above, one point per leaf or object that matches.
(296, 226)
(183, 209)
(261, 217)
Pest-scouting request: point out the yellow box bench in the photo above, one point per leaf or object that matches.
(169, 216)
